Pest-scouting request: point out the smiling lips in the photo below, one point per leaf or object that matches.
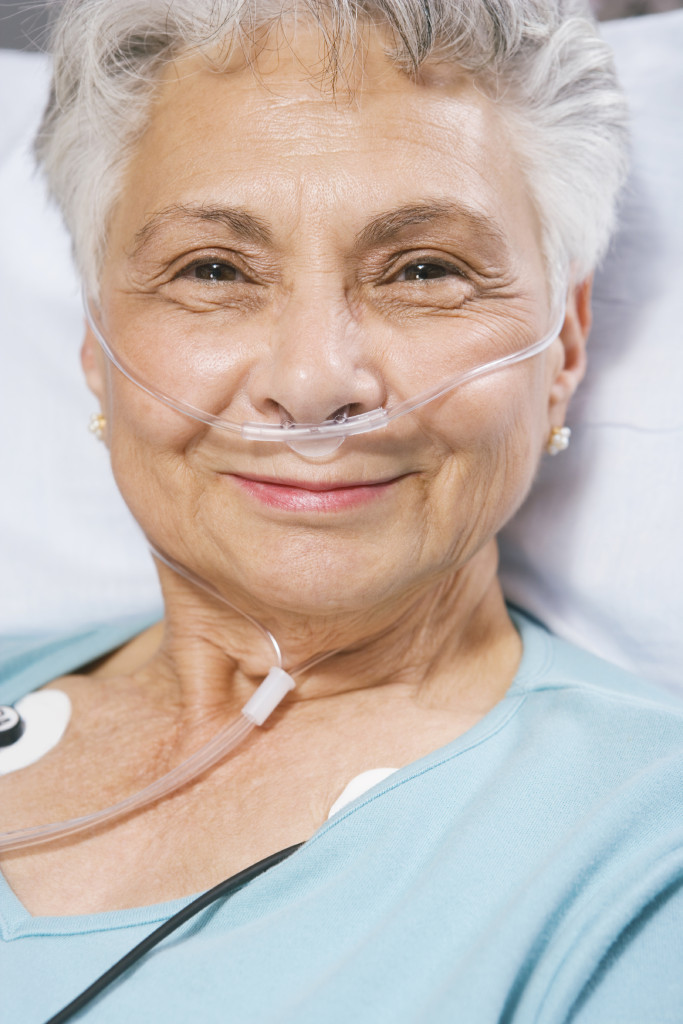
(293, 496)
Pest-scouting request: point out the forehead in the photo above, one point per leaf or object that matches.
(275, 140)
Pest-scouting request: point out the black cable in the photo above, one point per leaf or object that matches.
(223, 889)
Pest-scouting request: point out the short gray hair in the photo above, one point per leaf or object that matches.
(542, 60)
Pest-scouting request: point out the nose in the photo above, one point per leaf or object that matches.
(320, 365)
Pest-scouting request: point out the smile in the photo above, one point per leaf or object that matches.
(313, 496)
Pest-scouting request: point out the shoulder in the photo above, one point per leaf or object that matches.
(32, 660)
(554, 662)
(598, 704)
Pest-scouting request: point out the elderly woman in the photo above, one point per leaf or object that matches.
(337, 261)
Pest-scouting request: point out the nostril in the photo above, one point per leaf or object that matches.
(286, 418)
(340, 415)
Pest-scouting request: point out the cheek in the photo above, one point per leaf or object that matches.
(493, 446)
(478, 452)
(135, 414)
(149, 446)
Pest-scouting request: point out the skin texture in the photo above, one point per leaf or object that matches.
(317, 209)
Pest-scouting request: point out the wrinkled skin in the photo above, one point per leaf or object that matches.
(339, 243)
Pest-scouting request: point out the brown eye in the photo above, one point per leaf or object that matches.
(219, 272)
(425, 272)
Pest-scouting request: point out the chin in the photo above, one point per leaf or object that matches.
(318, 576)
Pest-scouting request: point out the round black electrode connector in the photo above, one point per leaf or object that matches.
(12, 725)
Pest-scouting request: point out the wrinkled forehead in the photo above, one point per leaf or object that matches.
(269, 133)
(292, 80)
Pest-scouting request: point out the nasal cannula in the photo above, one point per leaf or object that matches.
(317, 440)
(309, 440)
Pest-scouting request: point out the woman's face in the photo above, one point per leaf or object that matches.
(279, 252)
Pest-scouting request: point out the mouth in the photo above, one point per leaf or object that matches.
(313, 495)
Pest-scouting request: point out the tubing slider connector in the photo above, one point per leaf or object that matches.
(269, 694)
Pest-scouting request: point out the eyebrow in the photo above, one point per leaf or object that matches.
(244, 225)
(379, 231)
(385, 227)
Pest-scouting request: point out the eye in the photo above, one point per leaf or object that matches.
(427, 271)
(212, 270)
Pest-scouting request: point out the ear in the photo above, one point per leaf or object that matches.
(573, 336)
(92, 362)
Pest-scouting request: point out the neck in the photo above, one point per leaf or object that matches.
(450, 643)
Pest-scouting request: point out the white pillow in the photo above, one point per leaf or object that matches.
(596, 553)
(70, 553)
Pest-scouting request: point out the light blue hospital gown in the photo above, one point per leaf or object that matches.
(529, 872)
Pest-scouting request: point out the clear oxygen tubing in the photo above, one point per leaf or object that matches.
(311, 440)
(316, 440)
(265, 699)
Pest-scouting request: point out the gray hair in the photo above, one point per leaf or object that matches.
(542, 60)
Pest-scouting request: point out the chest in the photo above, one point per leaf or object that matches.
(269, 795)
(402, 910)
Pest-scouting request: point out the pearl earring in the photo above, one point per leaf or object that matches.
(558, 440)
(97, 424)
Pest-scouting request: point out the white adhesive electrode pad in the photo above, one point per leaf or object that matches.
(360, 784)
(46, 715)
